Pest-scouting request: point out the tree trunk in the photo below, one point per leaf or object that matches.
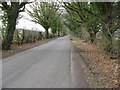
(39, 36)
(58, 33)
(53, 35)
(107, 39)
(18, 38)
(10, 31)
(92, 37)
(34, 39)
(23, 37)
(119, 48)
(47, 33)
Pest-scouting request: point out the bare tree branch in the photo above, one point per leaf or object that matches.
(4, 5)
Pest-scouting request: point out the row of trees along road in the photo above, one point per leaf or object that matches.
(47, 15)
(98, 21)
(44, 13)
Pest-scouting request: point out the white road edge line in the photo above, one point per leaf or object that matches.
(72, 73)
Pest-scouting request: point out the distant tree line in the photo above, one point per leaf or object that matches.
(27, 36)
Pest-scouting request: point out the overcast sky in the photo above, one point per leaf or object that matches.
(26, 23)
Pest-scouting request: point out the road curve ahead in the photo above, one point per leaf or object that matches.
(45, 66)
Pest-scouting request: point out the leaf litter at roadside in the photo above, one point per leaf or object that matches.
(103, 68)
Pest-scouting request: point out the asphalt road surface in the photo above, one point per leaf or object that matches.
(45, 66)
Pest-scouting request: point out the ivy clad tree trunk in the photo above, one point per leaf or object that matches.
(12, 11)
(12, 17)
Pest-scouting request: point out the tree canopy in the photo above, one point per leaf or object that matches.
(47, 15)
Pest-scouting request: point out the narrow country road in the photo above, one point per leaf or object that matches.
(45, 66)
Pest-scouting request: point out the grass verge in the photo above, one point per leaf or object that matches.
(101, 71)
(16, 49)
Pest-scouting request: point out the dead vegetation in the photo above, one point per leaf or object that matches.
(104, 68)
